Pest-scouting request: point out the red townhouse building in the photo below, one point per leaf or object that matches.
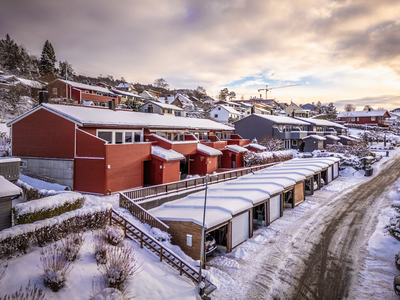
(100, 150)
(367, 117)
(79, 92)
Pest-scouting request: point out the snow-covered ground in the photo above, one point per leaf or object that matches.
(229, 272)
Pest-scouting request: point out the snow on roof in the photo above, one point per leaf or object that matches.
(166, 154)
(294, 176)
(332, 137)
(229, 109)
(31, 83)
(86, 86)
(281, 120)
(9, 159)
(363, 113)
(255, 146)
(283, 181)
(163, 105)
(208, 150)
(8, 189)
(236, 148)
(307, 171)
(124, 93)
(87, 116)
(88, 103)
(346, 138)
(321, 122)
(314, 136)
(124, 85)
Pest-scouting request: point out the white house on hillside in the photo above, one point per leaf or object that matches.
(223, 113)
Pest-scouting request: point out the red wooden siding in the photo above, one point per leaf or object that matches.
(43, 134)
(90, 176)
(203, 164)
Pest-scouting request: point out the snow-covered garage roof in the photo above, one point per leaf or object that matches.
(236, 148)
(8, 189)
(315, 137)
(294, 176)
(166, 154)
(255, 146)
(89, 116)
(208, 150)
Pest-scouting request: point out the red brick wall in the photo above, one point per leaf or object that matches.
(203, 166)
(126, 165)
(185, 149)
(90, 176)
(43, 134)
(89, 146)
(162, 171)
(227, 158)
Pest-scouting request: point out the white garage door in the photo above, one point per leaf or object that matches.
(240, 228)
(329, 174)
(275, 208)
(335, 170)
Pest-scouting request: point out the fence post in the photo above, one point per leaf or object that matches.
(141, 239)
(111, 218)
(161, 249)
(125, 228)
(180, 268)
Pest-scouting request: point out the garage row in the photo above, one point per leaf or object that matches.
(236, 208)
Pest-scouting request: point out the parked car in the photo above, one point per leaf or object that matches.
(211, 245)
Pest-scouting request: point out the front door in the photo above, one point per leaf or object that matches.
(233, 161)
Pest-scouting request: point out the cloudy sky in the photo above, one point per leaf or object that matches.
(344, 51)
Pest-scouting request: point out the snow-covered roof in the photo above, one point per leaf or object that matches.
(26, 82)
(88, 103)
(9, 159)
(8, 189)
(280, 119)
(124, 85)
(208, 150)
(294, 176)
(163, 105)
(236, 148)
(255, 146)
(332, 137)
(166, 154)
(282, 181)
(86, 86)
(125, 93)
(229, 109)
(346, 138)
(88, 116)
(320, 122)
(314, 136)
(363, 113)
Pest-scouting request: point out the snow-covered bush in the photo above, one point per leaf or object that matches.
(351, 161)
(28, 293)
(114, 235)
(56, 267)
(394, 224)
(17, 239)
(48, 207)
(253, 158)
(71, 245)
(3, 268)
(121, 265)
(31, 193)
(100, 247)
(160, 235)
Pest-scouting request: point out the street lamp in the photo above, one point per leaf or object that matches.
(202, 237)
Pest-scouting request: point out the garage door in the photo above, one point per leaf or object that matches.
(240, 228)
(329, 174)
(275, 208)
(335, 170)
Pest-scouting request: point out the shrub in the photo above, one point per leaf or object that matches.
(108, 294)
(3, 268)
(121, 264)
(71, 245)
(56, 267)
(100, 249)
(30, 293)
(48, 207)
(114, 235)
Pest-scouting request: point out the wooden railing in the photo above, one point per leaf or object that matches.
(141, 214)
(147, 241)
(140, 194)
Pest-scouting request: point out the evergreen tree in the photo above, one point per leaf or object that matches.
(48, 60)
(331, 111)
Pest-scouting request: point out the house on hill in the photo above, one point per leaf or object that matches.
(153, 107)
(224, 114)
(99, 150)
(60, 89)
(366, 117)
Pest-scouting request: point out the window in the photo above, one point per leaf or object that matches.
(294, 142)
(216, 116)
(99, 94)
(372, 118)
(169, 111)
(54, 91)
(120, 136)
(358, 118)
(219, 108)
(177, 114)
(353, 119)
(87, 92)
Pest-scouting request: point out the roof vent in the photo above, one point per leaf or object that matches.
(111, 104)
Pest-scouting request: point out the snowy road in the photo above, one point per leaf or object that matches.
(319, 254)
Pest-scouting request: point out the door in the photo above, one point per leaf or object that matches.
(233, 161)
(335, 170)
(240, 228)
(275, 208)
(329, 174)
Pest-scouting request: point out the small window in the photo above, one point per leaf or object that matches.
(169, 111)
(294, 142)
(118, 137)
(219, 108)
(216, 116)
(128, 137)
(54, 91)
(138, 137)
(87, 92)
(23, 164)
(105, 135)
(372, 118)
(353, 119)
(358, 118)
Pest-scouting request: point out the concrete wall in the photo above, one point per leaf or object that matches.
(61, 170)
(5, 212)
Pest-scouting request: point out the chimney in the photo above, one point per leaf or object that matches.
(111, 104)
(369, 108)
(43, 96)
(293, 113)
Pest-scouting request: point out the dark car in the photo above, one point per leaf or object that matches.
(211, 245)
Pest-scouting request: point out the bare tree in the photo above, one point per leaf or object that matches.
(349, 107)
(161, 83)
(368, 107)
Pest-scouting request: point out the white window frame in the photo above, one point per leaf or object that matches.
(54, 91)
(294, 142)
(114, 131)
(373, 119)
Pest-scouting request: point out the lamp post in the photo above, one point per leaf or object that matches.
(202, 237)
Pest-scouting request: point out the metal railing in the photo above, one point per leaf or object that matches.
(141, 214)
(147, 241)
(140, 194)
